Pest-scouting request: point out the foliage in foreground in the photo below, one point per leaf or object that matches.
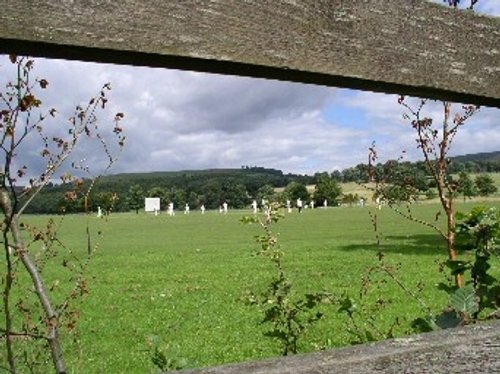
(289, 316)
(37, 309)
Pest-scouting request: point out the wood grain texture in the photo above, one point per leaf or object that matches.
(395, 46)
(471, 349)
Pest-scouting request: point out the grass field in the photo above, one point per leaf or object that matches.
(182, 279)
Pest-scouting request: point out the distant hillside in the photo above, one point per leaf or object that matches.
(485, 156)
(251, 177)
(189, 174)
(209, 187)
(213, 186)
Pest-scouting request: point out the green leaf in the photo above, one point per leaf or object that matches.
(449, 289)
(448, 320)
(464, 301)
(348, 306)
(458, 266)
(424, 324)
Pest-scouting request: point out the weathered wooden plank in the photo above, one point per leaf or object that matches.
(471, 349)
(398, 46)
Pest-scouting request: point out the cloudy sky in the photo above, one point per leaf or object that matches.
(178, 120)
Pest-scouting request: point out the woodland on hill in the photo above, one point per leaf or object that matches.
(236, 186)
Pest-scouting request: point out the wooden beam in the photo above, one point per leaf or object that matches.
(396, 46)
(470, 349)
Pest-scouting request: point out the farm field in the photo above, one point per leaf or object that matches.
(183, 278)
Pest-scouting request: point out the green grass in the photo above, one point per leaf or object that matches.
(183, 278)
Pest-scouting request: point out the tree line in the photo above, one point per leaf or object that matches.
(122, 192)
(485, 163)
(238, 187)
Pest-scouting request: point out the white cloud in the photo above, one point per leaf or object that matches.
(394, 134)
(183, 120)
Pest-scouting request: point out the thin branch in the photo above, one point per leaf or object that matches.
(406, 289)
(6, 333)
(38, 283)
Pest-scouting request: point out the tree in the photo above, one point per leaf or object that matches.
(212, 191)
(106, 200)
(435, 144)
(327, 188)
(466, 185)
(430, 194)
(397, 194)
(350, 199)
(296, 190)
(43, 313)
(485, 185)
(177, 196)
(266, 192)
(193, 199)
(135, 198)
(234, 193)
(337, 176)
(403, 181)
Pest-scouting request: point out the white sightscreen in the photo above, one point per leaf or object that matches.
(151, 204)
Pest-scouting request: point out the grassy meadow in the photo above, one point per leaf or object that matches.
(183, 278)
